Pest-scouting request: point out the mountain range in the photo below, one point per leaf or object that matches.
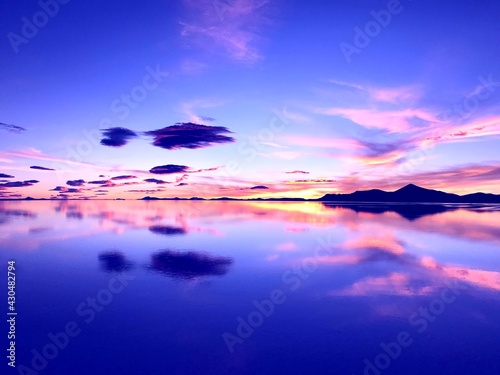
(411, 194)
(408, 194)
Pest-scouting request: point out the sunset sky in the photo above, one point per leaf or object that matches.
(247, 98)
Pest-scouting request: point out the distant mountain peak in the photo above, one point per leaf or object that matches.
(411, 187)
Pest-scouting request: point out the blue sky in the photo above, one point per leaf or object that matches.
(416, 102)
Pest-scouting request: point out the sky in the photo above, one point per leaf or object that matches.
(247, 98)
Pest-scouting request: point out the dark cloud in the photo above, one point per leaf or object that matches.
(169, 169)
(11, 128)
(156, 181)
(297, 172)
(207, 118)
(3, 175)
(114, 261)
(189, 265)
(75, 182)
(205, 170)
(99, 182)
(189, 135)
(126, 177)
(259, 187)
(66, 190)
(18, 184)
(167, 230)
(117, 137)
(182, 184)
(41, 168)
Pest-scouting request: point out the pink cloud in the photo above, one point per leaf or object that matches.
(286, 246)
(388, 95)
(393, 121)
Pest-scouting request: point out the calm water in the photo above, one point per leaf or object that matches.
(150, 288)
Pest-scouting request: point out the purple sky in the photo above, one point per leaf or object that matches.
(247, 98)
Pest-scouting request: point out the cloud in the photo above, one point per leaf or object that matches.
(461, 179)
(182, 184)
(169, 169)
(392, 121)
(66, 190)
(383, 94)
(259, 187)
(206, 170)
(297, 172)
(35, 154)
(189, 135)
(192, 67)
(156, 181)
(182, 178)
(117, 137)
(3, 175)
(149, 191)
(11, 128)
(189, 265)
(167, 230)
(18, 184)
(126, 177)
(232, 28)
(41, 168)
(323, 142)
(75, 182)
(207, 118)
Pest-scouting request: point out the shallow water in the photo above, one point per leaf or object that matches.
(181, 287)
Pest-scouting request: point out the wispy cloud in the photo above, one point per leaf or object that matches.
(392, 121)
(192, 108)
(383, 94)
(11, 128)
(232, 27)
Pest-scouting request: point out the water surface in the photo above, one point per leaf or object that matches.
(180, 287)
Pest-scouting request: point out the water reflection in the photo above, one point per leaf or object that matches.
(114, 261)
(408, 211)
(351, 276)
(189, 265)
